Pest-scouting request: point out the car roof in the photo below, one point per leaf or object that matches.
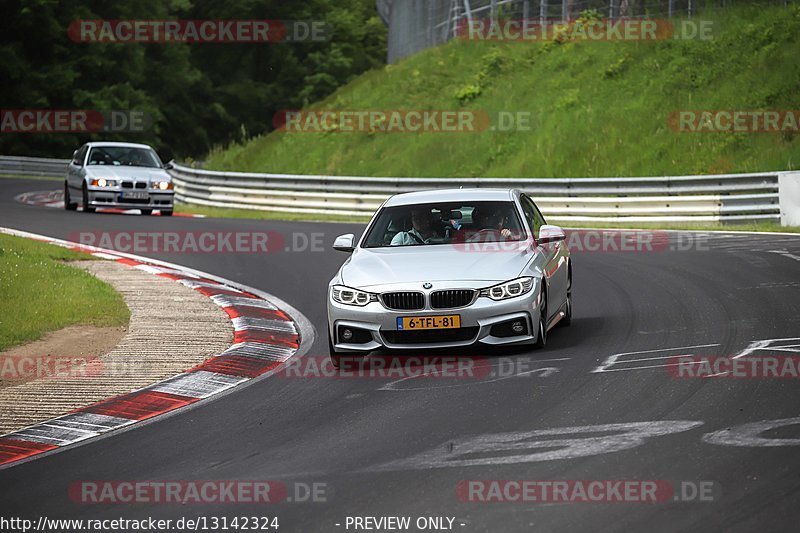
(119, 144)
(450, 195)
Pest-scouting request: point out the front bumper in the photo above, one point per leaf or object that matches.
(478, 318)
(113, 197)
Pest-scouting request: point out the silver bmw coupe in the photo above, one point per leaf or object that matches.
(119, 175)
(449, 268)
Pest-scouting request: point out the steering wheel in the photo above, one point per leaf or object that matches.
(485, 233)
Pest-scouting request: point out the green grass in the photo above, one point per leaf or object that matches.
(40, 292)
(598, 108)
(692, 226)
(217, 212)
(256, 214)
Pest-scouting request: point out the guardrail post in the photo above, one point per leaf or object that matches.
(789, 198)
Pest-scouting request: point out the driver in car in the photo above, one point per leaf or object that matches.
(135, 159)
(421, 231)
(487, 222)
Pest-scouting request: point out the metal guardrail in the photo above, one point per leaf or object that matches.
(713, 198)
(33, 166)
(727, 197)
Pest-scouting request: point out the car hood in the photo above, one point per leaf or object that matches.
(381, 266)
(125, 172)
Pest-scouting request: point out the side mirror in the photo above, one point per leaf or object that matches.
(169, 166)
(75, 158)
(548, 234)
(344, 243)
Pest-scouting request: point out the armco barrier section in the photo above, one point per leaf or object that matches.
(33, 166)
(728, 197)
(709, 198)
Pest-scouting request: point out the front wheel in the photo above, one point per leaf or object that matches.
(336, 358)
(165, 213)
(86, 207)
(567, 319)
(146, 211)
(541, 335)
(69, 205)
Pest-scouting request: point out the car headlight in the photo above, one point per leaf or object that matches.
(102, 182)
(509, 289)
(164, 185)
(350, 296)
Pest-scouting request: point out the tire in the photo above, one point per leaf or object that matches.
(146, 212)
(336, 358)
(567, 320)
(166, 213)
(541, 335)
(86, 207)
(68, 204)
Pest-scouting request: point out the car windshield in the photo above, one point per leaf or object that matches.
(451, 223)
(125, 156)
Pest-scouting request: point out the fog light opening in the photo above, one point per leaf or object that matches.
(514, 327)
(347, 334)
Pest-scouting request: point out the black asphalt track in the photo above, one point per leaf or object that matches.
(404, 451)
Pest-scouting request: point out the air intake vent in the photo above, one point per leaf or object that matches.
(431, 336)
(404, 301)
(451, 298)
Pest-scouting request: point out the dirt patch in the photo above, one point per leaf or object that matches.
(70, 352)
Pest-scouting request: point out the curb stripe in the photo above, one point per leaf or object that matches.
(231, 301)
(264, 338)
(102, 255)
(140, 405)
(220, 290)
(197, 384)
(260, 351)
(243, 323)
(255, 312)
(197, 284)
(238, 365)
(288, 340)
(166, 272)
(13, 450)
(126, 261)
(70, 428)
